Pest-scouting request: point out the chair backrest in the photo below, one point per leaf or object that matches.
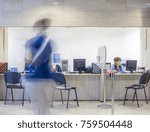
(12, 77)
(59, 78)
(148, 77)
(145, 77)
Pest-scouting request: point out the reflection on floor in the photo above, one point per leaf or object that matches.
(85, 108)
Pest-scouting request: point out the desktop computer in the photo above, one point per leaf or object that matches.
(131, 65)
(79, 65)
(64, 65)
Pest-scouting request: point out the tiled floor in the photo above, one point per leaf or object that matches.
(85, 108)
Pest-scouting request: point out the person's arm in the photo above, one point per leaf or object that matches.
(122, 69)
(112, 67)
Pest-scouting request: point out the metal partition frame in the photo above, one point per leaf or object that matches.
(102, 54)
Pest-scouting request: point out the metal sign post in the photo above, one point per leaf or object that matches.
(102, 53)
(104, 105)
(113, 92)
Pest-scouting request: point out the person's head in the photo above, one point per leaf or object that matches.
(117, 61)
(41, 25)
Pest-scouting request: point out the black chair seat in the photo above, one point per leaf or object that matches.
(15, 86)
(135, 86)
(62, 87)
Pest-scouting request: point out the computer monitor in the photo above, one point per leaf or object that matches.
(79, 65)
(131, 65)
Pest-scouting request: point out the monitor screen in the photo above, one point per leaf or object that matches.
(79, 64)
(131, 65)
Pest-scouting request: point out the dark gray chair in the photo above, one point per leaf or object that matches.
(13, 81)
(143, 83)
(61, 85)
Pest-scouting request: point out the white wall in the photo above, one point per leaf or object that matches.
(79, 42)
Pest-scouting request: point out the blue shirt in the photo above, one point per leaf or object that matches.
(42, 67)
(119, 69)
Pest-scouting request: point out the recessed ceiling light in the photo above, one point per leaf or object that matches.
(55, 3)
(147, 4)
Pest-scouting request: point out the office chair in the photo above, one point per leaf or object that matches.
(60, 84)
(13, 81)
(143, 83)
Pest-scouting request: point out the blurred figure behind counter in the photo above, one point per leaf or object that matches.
(117, 67)
(39, 80)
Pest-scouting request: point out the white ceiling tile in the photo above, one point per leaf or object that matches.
(31, 4)
(76, 12)
(138, 3)
(116, 4)
(11, 5)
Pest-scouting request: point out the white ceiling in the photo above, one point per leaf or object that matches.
(76, 12)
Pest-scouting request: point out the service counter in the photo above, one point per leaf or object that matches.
(88, 86)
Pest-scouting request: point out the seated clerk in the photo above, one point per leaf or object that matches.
(117, 67)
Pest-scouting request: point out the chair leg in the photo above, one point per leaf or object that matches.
(76, 97)
(53, 96)
(23, 97)
(6, 96)
(133, 97)
(61, 96)
(137, 98)
(125, 96)
(145, 96)
(68, 98)
(12, 95)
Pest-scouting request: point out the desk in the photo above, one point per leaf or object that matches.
(88, 86)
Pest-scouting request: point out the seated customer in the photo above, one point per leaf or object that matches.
(117, 67)
(58, 68)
